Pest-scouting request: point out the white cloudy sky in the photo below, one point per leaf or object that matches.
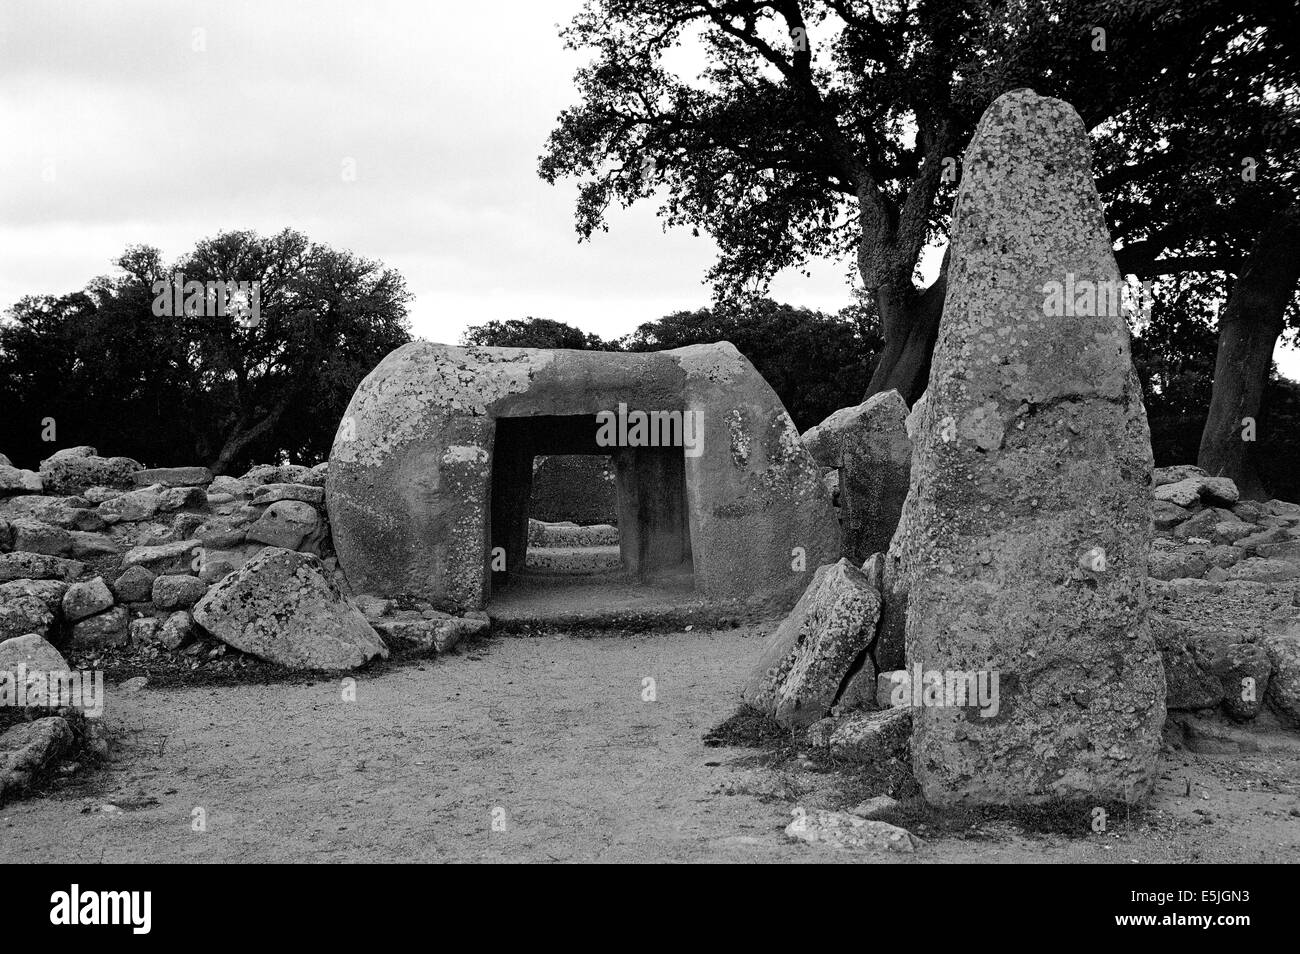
(444, 108)
(119, 131)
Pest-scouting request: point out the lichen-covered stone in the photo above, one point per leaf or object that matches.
(111, 628)
(1284, 684)
(31, 651)
(869, 446)
(803, 664)
(14, 480)
(845, 831)
(173, 477)
(282, 607)
(872, 738)
(175, 591)
(86, 599)
(1243, 669)
(181, 556)
(71, 471)
(1022, 549)
(37, 566)
(49, 592)
(28, 749)
(21, 614)
(131, 507)
(176, 630)
(1175, 565)
(134, 585)
(70, 513)
(1263, 570)
(35, 536)
(290, 524)
(270, 493)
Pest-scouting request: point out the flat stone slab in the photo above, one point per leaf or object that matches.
(281, 607)
(173, 476)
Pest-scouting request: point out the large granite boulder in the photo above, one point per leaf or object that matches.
(283, 607)
(869, 446)
(803, 664)
(1022, 548)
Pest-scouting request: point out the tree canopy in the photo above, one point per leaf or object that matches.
(215, 389)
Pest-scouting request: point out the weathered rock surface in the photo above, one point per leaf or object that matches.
(874, 806)
(20, 615)
(1243, 669)
(178, 557)
(282, 607)
(107, 629)
(173, 476)
(28, 749)
(70, 513)
(72, 470)
(1284, 685)
(175, 631)
(439, 634)
(134, 585)
(846, 831)
(36, 566)
(177, 591)
(1263, 570)
(49, 592)
(869, 445)
(37, 654)
(290, 524)
(803, 664)
(35, 536)
(86, 599)
(1022, 548)
(872, 738)
(14, 480)
(270, 493)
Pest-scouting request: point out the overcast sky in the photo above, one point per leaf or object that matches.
(120, 131)
(166, 122)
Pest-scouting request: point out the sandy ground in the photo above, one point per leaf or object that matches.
(550, 737)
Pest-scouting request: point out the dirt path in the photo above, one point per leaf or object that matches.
(552, 730)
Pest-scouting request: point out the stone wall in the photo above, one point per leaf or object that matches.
(103, 553)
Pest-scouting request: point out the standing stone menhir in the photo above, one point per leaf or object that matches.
(1023, 543)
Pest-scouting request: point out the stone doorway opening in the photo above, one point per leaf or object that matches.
(651, 545)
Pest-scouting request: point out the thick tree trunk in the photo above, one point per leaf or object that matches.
(1249, 327)
(244, 435)
(910, 323)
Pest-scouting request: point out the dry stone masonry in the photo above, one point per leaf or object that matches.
(431, 470)
(101, 554)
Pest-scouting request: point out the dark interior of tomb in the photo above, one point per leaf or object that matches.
(653, 530)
